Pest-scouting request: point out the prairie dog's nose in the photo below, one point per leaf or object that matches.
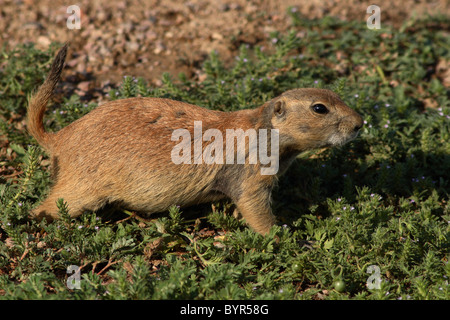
(358, 120)
(351, 123)
(359, 124)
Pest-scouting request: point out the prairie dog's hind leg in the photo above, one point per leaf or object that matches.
(77, 203)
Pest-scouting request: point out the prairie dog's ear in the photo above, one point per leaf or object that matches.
(279, 108)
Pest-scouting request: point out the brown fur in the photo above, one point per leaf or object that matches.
(120, 152)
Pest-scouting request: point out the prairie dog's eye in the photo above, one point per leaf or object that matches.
(319, 108)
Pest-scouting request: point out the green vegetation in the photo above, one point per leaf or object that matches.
(381, 200)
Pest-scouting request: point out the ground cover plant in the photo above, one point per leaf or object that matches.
(369, 220)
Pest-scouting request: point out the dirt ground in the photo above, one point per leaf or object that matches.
(146, 38)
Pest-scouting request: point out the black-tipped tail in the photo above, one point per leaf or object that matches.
(38, 101)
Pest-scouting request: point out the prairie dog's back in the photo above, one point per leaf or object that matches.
(141, 125)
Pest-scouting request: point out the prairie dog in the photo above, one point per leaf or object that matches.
(122, 152)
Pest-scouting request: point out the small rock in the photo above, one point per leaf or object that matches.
(132, 46)
(83, 86)
(160, 47)
(43, 41)
(217, 36)
(41, 244)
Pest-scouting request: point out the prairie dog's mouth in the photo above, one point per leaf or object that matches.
(339, 139)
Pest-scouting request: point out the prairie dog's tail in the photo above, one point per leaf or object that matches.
(38, 101)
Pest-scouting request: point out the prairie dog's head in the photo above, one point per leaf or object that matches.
(313, 118)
